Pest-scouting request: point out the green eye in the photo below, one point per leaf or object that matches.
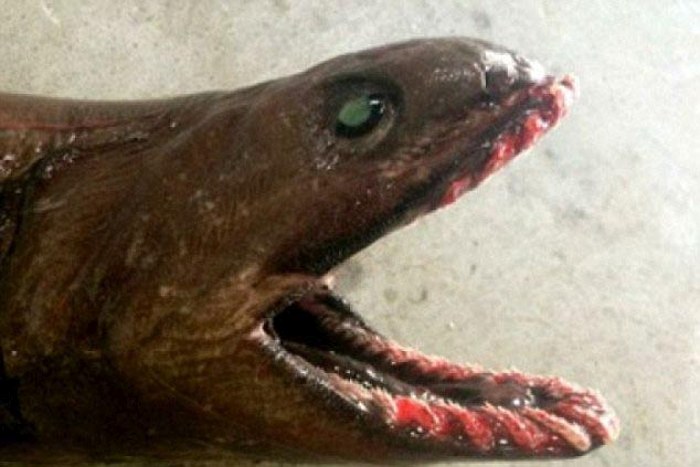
(359, 115)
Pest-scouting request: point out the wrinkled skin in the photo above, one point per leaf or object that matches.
(143, 244)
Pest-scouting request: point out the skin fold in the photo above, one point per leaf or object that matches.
(147, 247)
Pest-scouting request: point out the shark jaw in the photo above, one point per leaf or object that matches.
(427, 405)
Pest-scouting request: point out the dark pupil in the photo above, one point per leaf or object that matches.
(359, 115)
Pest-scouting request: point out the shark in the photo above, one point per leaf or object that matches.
(166, 266)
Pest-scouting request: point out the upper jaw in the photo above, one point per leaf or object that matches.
(457, 154)
(521, 119)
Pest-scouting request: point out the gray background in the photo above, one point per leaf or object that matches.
(581, 259)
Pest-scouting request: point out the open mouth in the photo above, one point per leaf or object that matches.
(429, 403)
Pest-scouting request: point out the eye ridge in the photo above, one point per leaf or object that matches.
(360, 115)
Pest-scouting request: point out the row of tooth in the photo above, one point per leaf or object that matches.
(578, 414)
(487, 430)
(394, 354)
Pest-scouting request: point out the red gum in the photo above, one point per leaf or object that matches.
(507, 145)
(446, 424)
(572, 422)
(455, 190)
(476, 428)
(443, 421)
(489, 429)
(413, 413)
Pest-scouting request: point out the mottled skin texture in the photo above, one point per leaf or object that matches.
(143, 243)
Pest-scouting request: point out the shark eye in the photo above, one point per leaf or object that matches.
(359, 115)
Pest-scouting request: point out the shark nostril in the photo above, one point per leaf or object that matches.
(499, 80)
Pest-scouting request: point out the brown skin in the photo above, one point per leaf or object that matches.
(143, 243)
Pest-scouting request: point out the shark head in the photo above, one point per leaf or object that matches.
(206, 306)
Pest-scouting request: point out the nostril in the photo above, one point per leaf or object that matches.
(499, 80)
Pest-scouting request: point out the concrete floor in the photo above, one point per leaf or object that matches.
(582, 259)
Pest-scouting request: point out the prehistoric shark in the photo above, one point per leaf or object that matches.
(165, 266)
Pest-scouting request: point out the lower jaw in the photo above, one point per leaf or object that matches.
(415, 400)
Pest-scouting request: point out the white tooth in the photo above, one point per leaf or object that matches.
(383, 399)
(573, 434)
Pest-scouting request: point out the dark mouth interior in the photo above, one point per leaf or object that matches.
(323, 332)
